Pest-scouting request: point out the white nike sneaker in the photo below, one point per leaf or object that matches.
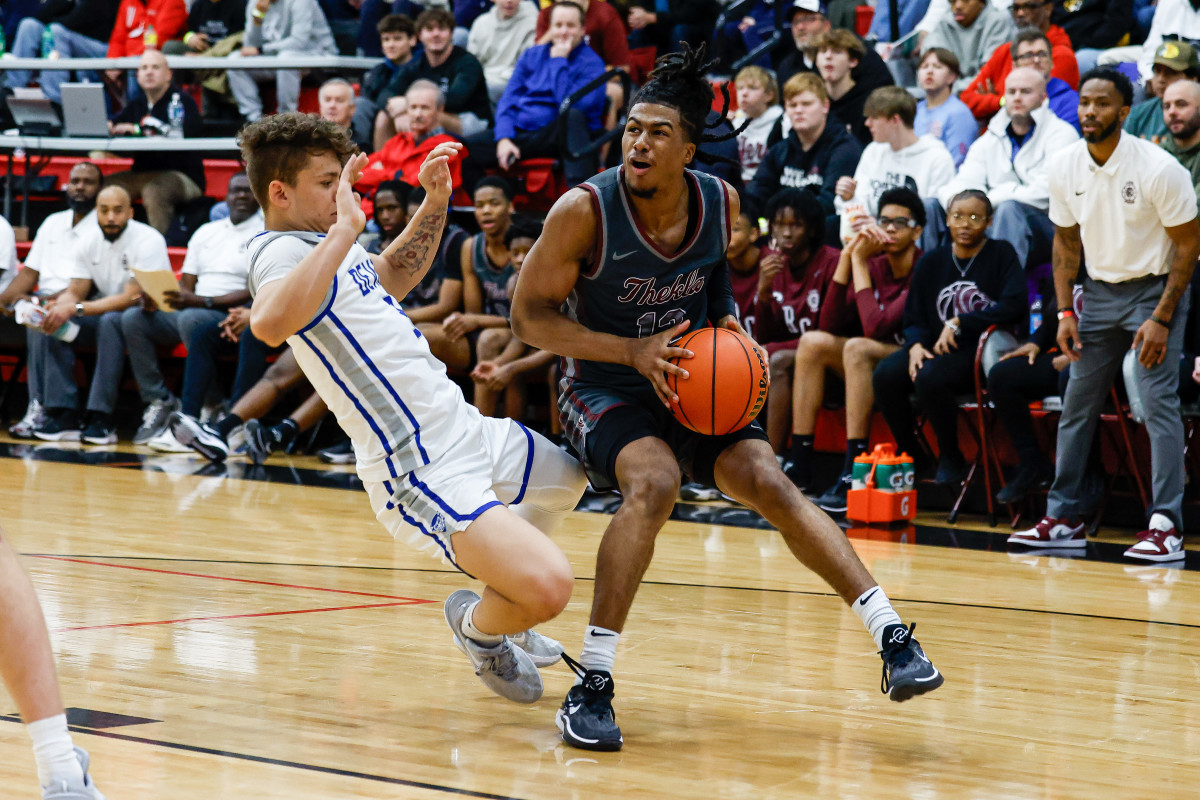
(67, 790)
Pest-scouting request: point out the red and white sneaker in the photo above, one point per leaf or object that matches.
(1051, 532)
(1156, 545)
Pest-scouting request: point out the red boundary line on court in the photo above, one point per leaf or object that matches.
(236, 616)
(409, 600)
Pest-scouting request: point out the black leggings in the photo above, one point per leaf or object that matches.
(1013, 385)
(939, 383)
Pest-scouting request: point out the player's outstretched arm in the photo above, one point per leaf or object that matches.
(284, 306)
(551, 271)
(407, 259)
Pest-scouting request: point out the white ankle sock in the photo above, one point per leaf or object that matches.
(54, 751)
(474, 634)
(876, 612)
(1160, 522)
(599, 650)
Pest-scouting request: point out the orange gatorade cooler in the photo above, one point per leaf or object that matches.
(882, 487)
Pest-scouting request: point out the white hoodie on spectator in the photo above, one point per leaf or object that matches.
(925, 167)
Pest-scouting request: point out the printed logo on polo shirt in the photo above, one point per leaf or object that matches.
(961, 297)
(1129, 193)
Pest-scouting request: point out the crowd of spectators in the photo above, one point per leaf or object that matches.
(895, 192)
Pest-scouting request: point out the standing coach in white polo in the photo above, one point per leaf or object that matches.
(1131, 208)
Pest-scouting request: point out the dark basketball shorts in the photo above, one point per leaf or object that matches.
(599, 421)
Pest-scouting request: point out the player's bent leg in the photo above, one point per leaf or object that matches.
(747, 471)
(543, 487)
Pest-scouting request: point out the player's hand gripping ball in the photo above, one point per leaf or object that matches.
(726, 385)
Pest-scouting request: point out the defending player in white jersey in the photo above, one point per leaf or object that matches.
(481, 492)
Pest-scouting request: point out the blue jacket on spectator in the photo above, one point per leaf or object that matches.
(1063, 101)
(539, 83)
(910, 13)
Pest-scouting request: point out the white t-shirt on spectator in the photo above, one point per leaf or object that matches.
(1122, 208)
(107, 264)
(217, 256)
(55, 248)
(752, 142)
(8, 254)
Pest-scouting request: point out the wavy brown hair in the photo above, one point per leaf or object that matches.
(276, 148)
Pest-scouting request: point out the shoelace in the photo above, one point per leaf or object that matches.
(599, 703)
(503, 664)
(151, 412)
(896, 655)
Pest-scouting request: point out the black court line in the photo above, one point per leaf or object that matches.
(674, 584)
(278, 762)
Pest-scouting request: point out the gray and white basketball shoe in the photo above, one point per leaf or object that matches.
(505, 669)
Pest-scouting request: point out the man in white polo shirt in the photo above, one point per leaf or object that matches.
(100, 289)
(1132, 208)
(47, 267)
(214, 280)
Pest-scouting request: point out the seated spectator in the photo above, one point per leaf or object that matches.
(1094, 26)
(390, 210)
(603, 28)
(957, 291)
(161, 180)
(663, 25)
(815, 155)
(808, 21)
(466, 109)
(1181, 110)
(1173, 62)
(77, 29)
(897, 158)
(742, 34)
(741, 259)
(758, 102)
(499, 37)
(100, 289)
(397, 36)
(1173, 19)
(983, 94)
(1032, 49)
(142, 25)
(838, 52)
(213, 281)
(1010, 163)
(486, 268)
(867, 295)
(401, 156)
(443, 295)
(529, 123)
(343, 19)
(971, 31)
(209, 24)
(794, 272)
(47, 272)
(941, 114)
(909, 13)
(278, 28)
(509, 371)
(336, 102)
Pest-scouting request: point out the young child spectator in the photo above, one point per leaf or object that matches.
(162, 180)
(278, 28)
(897, 158)
(499, 37)
(397, 36)
(486, 268)
(956, 293)
(78, 30)
(795, 270)
(972, 30)
(838, 53)
(867, 296)
(466, 109)
(941, 114)
(529, 122)
(815, 155)
(758, 101)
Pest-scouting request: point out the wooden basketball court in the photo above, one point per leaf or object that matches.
(240, 635)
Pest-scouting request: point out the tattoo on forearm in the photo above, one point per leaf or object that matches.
(416, 248)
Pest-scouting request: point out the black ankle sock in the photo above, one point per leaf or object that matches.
(801, 450)
(285, 433)
(854, 448)
(227, 424)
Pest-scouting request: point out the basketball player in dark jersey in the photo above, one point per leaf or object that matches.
(630, 254)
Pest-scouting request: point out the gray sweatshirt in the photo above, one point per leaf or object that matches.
(498, 43)
(973, 45)
(290, 26)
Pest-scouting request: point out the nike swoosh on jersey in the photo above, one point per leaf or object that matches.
(621, 256)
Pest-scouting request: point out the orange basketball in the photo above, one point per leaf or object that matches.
(726, 384)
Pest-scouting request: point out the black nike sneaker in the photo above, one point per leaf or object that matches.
(907, 672)
(586, 718)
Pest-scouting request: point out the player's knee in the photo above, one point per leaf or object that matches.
(654, 492)
(781, 363)
(857, 351)
(814, 344)
(550, 592)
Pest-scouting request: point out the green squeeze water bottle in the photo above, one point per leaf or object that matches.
(1, 41)
(47, 42)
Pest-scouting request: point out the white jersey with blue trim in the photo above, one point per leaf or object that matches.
(369, 363)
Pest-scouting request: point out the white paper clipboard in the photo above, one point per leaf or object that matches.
(156, 283)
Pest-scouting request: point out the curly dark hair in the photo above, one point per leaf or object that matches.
(276, 148)
(678, 82)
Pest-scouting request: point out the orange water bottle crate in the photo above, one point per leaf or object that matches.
(881, 488)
